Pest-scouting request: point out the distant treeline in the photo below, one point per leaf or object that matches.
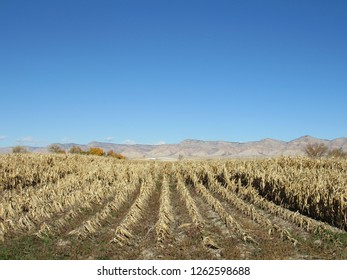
(54, 148)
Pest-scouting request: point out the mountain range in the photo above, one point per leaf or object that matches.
(191, 148)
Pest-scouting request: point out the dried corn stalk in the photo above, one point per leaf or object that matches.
(123, 233)
(166, 218)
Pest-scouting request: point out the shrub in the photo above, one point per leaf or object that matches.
(337, 153)
(96, 152)
(316, 150)
(75, 150)
(55, 148)
(111, 153)
(19, 150)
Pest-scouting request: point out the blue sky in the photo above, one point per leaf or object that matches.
(155, 71)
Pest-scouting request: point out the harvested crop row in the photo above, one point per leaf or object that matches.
(248, 209)
(250, 195)
(91, 225)
(231, 223)
(194, 213)
(123, 233)
(34, 209)
(190, 203)
(315, 188)
(166, 217)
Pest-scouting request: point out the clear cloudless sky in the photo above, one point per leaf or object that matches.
(155, 71)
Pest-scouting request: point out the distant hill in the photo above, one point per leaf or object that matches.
(191, 148)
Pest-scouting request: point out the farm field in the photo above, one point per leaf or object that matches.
(89, 207)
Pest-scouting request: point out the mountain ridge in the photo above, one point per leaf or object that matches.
(193, 148)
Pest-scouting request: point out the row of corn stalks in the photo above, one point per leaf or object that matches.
(190, 203)
(22, 171)
(251, 196)
(194, 213)
(247, 208)
(217, 206)
(129, 184)
(166, 217)
(33, 209)
(300, 187)
(123, 234)
(314, 188)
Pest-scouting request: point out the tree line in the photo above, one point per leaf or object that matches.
(56, 149)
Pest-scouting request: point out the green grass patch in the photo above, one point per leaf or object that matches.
(27, 248)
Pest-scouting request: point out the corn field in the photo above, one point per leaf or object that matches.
(96, 207)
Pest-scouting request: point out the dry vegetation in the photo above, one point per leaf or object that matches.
(76, 207)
